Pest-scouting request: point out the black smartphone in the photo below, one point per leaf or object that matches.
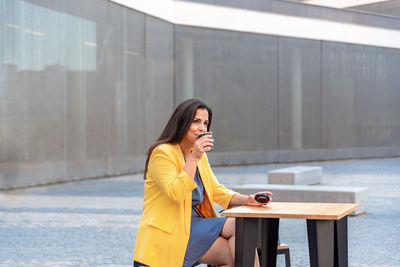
(261, 198)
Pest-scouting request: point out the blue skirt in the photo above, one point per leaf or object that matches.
(203, 233)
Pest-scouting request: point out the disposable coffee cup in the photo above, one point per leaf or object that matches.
(207, 133)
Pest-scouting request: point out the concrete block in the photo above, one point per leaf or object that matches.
(298, 175)
(316, 193)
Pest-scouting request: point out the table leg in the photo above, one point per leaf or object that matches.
(341, 245)
(245, 241)
(321, 243)
(268, 242)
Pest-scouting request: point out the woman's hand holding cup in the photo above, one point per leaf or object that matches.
(203, 144)
(209, 142)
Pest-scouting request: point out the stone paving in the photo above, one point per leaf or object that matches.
(94, 222)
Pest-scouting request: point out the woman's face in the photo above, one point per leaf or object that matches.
(198, 125)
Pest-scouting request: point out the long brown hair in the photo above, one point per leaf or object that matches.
(178, 124)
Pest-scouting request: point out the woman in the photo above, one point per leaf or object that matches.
(179, 226)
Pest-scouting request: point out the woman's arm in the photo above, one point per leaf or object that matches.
(239, 200)
(196, 153)
(164, 170)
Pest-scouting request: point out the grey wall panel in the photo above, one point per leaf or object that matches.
(97, 95)
(2, 82)
(394, 104)
(372, 114)
(74, 57)
(283, 7)
(134, 80)
(254, 79)
(117, 100)
(300, 94)
(159, 93)
(74, 83)
(338, 95)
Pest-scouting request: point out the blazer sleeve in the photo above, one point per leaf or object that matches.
(165, 170)
(221, 195)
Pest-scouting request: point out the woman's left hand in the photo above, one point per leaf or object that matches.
(252, 202)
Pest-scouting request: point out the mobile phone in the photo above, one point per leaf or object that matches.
(261, 198)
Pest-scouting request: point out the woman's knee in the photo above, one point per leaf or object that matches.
(229, 228)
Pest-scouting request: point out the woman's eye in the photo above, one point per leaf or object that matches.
(199, 121)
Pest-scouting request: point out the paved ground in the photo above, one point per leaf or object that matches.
(94, 223)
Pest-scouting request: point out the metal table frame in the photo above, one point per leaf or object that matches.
(327, 242)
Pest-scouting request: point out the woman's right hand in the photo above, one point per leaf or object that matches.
(201, 145)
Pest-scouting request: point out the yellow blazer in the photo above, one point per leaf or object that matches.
(164, 228)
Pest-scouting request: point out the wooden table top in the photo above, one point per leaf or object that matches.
(299, 210)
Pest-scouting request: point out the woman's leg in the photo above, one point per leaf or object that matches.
(228, 232)
(218, 254)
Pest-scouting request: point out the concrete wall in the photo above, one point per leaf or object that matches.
(87, 86)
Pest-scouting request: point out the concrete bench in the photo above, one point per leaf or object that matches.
(304, 175)
(316, 193)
